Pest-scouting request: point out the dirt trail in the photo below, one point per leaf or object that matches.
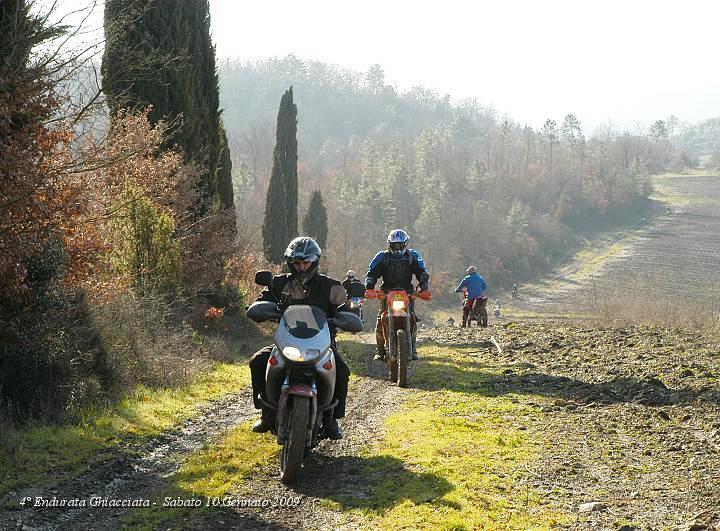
(131, 472)
(331, 470)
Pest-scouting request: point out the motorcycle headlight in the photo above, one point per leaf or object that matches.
(398, 305)
(294, 354)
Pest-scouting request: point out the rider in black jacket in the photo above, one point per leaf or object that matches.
(396, 266)
(303, 285)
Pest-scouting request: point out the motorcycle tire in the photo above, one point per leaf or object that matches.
(293, 451)
(403, 357)
(392, 355)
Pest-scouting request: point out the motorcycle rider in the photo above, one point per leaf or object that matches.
(353, 286)
(396, 266)
(475, 286)
(303, 285)
(496, 307)
(514, 291)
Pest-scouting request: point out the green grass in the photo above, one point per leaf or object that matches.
(40, 455)
(452, 457)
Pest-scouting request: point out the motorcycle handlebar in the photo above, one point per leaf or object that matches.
(379, 294)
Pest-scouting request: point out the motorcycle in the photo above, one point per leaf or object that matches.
(300, 375)
(397, 326)
(478, 313)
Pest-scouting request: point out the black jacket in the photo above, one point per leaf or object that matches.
(322, 291)
(353, 287)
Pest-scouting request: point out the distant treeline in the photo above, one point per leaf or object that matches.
(470, 187)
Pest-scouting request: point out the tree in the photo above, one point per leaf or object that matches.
(550, 133)
(159, 53)
(281, 217)
(375, 79)
(658, 131)
(39, 203)
(572, 133)
(315, 220)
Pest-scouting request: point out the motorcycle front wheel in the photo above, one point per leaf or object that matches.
(403, 356)
(293, 451)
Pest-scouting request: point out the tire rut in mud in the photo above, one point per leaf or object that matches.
(134, 472)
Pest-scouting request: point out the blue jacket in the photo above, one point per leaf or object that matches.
(397, 271)
(475, 285)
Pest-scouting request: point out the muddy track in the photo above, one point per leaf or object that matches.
(131, 472)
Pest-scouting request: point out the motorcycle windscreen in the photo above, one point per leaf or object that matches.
(303, 327)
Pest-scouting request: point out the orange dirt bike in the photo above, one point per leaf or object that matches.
(397, 326)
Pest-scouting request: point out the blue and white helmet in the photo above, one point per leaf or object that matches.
(398, 242)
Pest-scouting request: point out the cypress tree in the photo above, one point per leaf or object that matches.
(159, 53)
(315, 219)
(281, 217)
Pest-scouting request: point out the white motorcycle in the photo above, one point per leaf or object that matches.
(300, 375)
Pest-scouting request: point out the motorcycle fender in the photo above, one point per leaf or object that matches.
(326, 378)
(282, 417)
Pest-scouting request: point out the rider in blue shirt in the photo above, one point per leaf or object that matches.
(475, 286)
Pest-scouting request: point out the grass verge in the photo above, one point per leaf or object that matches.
(452, 457)
(39, 455)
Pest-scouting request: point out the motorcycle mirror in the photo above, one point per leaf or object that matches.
(263, 278)
(348, 321)
(263, 311)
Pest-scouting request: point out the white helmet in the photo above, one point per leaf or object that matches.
(398, 242)
(351, 273)
(471, 269)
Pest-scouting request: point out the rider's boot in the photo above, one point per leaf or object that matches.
(265, 423)
(414, 354)
(332, 430)
(381, 353)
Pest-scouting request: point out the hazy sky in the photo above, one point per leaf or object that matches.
(629, 61)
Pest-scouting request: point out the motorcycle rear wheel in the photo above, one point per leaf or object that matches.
(293, 451)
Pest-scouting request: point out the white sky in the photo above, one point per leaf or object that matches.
(631, 61)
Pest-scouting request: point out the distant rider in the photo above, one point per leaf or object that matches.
(475, 286)
(303, 285)
(353, 286)
(496, 307)
(396, 267)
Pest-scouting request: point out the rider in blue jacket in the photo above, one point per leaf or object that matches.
(396, 267)
(475, 286)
